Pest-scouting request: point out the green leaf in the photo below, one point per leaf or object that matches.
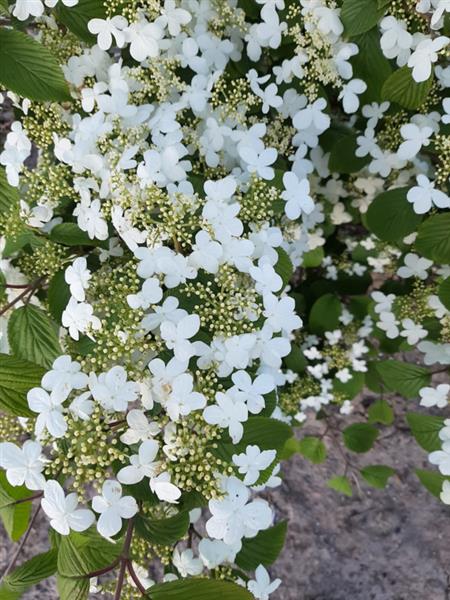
(425, 429)
(432, 481)
(199, 589)
(291, 447)
(343, 158)
(313, 258)
(359, 16)
(70, 234)
(433, 239)
(377, 475)
(164, 532)
(313, 449)
(371, 65)
(72, 589)
(284, 267)
(33, 336)
(30, 573)
(340, 484)
(15, 517)
(381, 412)
(17, 377)
(391, 217)
(9, 195)
(444, 293)
(58, 296)
(404, 378)
(360, 437)
(350, 388)
(76, 18)
(325, 313)
(82, 553)
(401, 88)
(29, 69)
(263, 549)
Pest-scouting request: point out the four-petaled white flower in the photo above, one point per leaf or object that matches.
(424, 196)
(177, 336)
(62, 510)
(107, 29)
(142, 464)
(78, 276)
(437, 396)
(113, 507)
(112, 389)
(50, 411)
(251, 462)
(296, 195)
(415, 266)
(228, 412)
(185, 562)
(261, 587)
(64, 376)
(24, 465)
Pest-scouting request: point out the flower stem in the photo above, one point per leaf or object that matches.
(124, 560)
(136, 579)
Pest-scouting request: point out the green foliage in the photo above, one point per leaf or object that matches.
(82, 553)
(325, 313)
(30, 573)
(70, 234)
(371, 65)
(425, 429)
(29, 69)
(313, 449)
(432, 481)
(433, 239)
(391, 217)
(343, 158)
(377, 475)
(380, 412)
(9, 195)
(15, 517)
(405, 378)
(284, 267)
(163, 532)
(444, 293)
(76, 18)
(359, 16)
(340, 484)
(33, 336)
(17, 377)
(200, 589)
(263, 549)
(72, 589)
(401, 88)
(360, 437)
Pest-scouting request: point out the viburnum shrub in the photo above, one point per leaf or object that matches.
(220, 220)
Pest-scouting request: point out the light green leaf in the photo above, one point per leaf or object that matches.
(350, 388)
(29, 69)
(72, 589)
(401, 88)
(82, 553)
(325, 313)
(30, 573)
(313, 258)
(199, 589)
(377, 475)
(360, 437)
(425, 429)
(15, 517)
(380, 412)
(432, 481)
(391, 217)
(9, 195)
(164, 532)
(17, 377)
(433, 239)
(404, 378)
(263, 549)
(444, 293)
(313, 449)
(359, 16)
(33, 336)
(340, 484)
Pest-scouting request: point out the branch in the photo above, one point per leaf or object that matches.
(13, 561)
(30, 288)
(124, 560)
(136, 579)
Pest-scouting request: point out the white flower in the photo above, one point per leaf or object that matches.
(414, 267)
(185, 563)
(106, 29)
(441, 458)
(445, 493)
(49, 407)
(90, 219)
(142, 464)
(206, 253)
(65, 376)
(252, 462)
(24, 465)
(265, 277)
(112, 390)
(182, 400)
(425, 54)
(415, 137)
(296, 195)
(389, 324)
(164, 489)
(113, 507)
(78, 317)
(234, 517)
(144, 39)
(173, 18)
(151, 293)
(259, 160)
(313, 116)
(24, 8)
(68, 3)
(78, 276)
(82, 407)
(140, 429)
(424, 196)
(252, 392)
(62, 510)
(412, 331)
(229, 411)
(396, 41)
(349, 94)
(130, 235)
(214, 552)
(177, 335)
(261, 587)
(435, 396)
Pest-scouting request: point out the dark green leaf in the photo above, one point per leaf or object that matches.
(313, 258)
(377, 475)
(29, 69)
(76, 18)
(343, 158)
(82, 553)
(17, 377)
(9, 195)
(359, 16)
(401, 88)
(263, 549)
(391, 217)
(30, 573)
(58, 296)
(433, 239)
(350, 388)
(444, 293)
(70, 234)
(199, 589)
(360, 437)
(163, 532)
(381, 412)
(72, 589)
(432, 481)
(425, 429)
(404, 378)
(371, 65)
(325, 313)
(284, 267)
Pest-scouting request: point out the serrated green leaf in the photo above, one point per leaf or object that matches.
(33, 336)
(163, 532)
(350, 388)
(29, 69)
(325, 313)
(401, 88)
(313, 449)
(433, 239)
(360, 437)
(72, 589)
(391, 217)
(9, 195)
(340, 484)
(15, 517)
(432, 481)
(377, 475)
(82, 553)
(17, 377)
(381, 412)
(444, 293)
(30, 573)
(263, 549)
(199, 589)
(284, 267)
(404, 378)
(359, 16)
(425, 429)
(76, 18)
(58, 296)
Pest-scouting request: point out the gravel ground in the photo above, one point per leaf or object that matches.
(387, 544)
